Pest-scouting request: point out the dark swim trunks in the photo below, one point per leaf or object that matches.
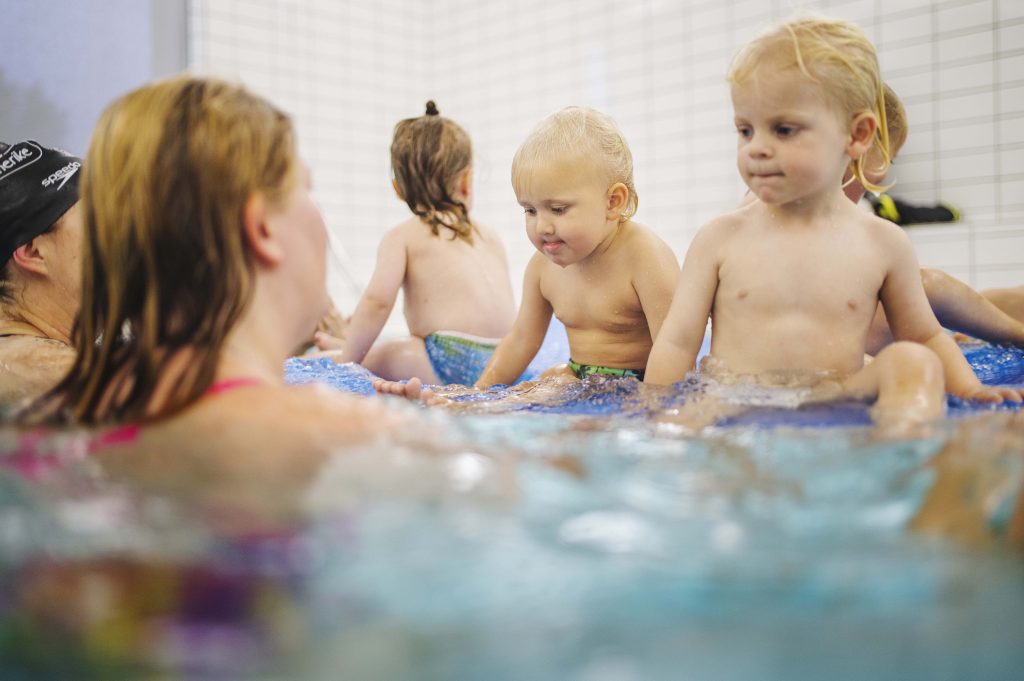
(583, 370)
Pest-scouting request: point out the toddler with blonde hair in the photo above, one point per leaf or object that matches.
(956, 305)
(608, 279)
(791, 281)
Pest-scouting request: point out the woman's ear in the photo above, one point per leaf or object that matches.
(862, 134)
(29, 257)
(263, 241)
(618, 196)
(398, 191)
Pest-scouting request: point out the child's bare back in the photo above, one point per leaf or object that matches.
(453, 271)
(453, 285)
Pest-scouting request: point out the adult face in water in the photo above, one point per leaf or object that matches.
(298, 219)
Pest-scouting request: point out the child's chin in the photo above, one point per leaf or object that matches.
(767, 197)
(558, 259)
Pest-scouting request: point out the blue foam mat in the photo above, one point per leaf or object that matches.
(596, 396)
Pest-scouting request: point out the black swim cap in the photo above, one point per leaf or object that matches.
(37, 186)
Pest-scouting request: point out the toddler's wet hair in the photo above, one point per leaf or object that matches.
(428, 155)
(895, 120)
(837, 56)
(583, 133)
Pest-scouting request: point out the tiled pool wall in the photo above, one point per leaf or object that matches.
(349, 71)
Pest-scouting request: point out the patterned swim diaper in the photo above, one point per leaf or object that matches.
(459, 357)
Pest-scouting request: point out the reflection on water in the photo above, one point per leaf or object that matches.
(582, 544)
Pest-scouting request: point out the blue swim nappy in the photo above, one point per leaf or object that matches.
(458, 357)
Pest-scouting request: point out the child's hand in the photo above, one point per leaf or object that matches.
(325, 341)
(996, 394)
(412, 389)
(333, 325)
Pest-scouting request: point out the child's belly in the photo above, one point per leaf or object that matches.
(791, 343)
(626, 349)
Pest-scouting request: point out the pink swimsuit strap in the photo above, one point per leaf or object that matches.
(121, 435)
(33, 462)
(126, 435)
(229, 384)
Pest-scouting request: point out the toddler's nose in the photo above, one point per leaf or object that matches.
(759, 147)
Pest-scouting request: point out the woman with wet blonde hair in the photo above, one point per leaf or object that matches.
(203, 267)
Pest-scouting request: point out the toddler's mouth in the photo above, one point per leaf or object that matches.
(552, 246)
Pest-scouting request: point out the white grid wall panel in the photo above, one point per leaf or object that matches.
(348, 71)
(344, 72)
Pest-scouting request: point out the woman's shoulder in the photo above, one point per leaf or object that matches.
(269, 434)
(307, 418)
(35, 347)
(303, 405)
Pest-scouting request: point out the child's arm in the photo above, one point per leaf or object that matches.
(654, 278)
(374, 308)
(960, 308)
(516, 349)
(911, 318)
(679, 340)
(330, 330)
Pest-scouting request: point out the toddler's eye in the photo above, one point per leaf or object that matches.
(558, 210)
(744, 131)
(785, 130)
(530, 211)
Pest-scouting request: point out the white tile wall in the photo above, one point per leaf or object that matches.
(349, 70)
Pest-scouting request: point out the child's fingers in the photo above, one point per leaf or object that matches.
(432, 399)
(410, 390)
(333, 324)
(997, 395)
(386, 387)
(413, 388)
(987, 395)
(1006, 394)
(325, 341)
(1013, 394)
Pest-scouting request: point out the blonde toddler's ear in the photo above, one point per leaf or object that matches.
(618, 198)
(862, 134)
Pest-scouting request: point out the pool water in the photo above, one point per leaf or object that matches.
(574, 539)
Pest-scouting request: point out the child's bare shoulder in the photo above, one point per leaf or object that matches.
(486, 230)
(726, 225)
(488, 235)
(884, 232)
(407, 230)
(642, 243)
(538, 267)
(640, 236)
